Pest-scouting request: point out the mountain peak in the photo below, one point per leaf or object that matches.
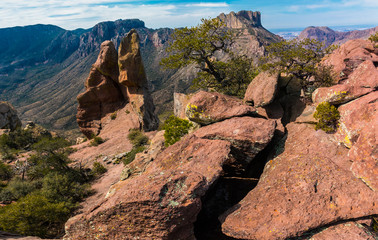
(242, 19)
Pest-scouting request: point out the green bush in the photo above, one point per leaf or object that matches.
(327, 116)
(139, 141)
(137, 138)
(374, 38)
(175, 128)
(96, 141)
(130, 156)
(113, 116)
(35, 215)
(17, 189)
(58, 187)
(6, 171)
(98, 169)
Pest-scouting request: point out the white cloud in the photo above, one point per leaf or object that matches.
(208, 5)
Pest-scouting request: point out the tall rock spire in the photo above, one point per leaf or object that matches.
(133, 76)
(114, 81)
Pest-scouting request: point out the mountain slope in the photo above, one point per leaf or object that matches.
(43, 68)
(329, 36)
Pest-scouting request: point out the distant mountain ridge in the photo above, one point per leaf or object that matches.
(329, 36)
(43, 67)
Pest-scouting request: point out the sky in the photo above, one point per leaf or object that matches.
(73, 14)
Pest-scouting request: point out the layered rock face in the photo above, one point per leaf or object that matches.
(112, 83)
(8, 117)
(242, 19)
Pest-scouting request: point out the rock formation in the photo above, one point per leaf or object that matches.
(8, 117)
(133, 77)
(355, 63)
(262, 90)
(316, 179)
(329, 36)
(161, 197)
(205, 108)
(103, 93)
(109, 87)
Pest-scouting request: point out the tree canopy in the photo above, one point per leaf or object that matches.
(202, 45)
(300, 58)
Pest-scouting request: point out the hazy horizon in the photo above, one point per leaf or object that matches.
(74, 14)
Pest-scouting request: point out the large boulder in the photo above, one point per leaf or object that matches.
(180, 101)
(350, 55)
(8, 117)
(363, 80)
(358, 131)
(160, 203)
(160, 197)
(103, 94)
(348, 230)
(133, 77)
(307, 186)
(248, 135)
(262, 90)
(205, 108)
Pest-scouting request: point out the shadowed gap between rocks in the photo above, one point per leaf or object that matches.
(230, 189)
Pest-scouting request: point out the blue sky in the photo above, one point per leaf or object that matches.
(72, 14)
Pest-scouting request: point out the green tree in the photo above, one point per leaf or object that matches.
(201, 46)
(300, 59)
(34, 215)
(51, 155)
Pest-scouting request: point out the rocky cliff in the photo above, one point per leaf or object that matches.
(246, 172)
(329, 36)
(42, 67)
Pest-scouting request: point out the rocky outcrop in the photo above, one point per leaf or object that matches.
(355, 62)
(103, 94)
(262, 90)
(8, 117)
(160, 195)
(242, 19)
(329, 36)
(312, 180)
(209, 107)
(180, 101)
(349, 56)
(133, 77)
(307, 186)
(109, 87)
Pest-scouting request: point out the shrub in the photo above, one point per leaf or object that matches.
(175, 128)
(96, 141)
(137, 138)
(374, 38)
(6, 171)
(98, 169)
(17, 189)
(59, 187)
(130, 156)
(113, 116)
(35, 215)
(327, 116)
